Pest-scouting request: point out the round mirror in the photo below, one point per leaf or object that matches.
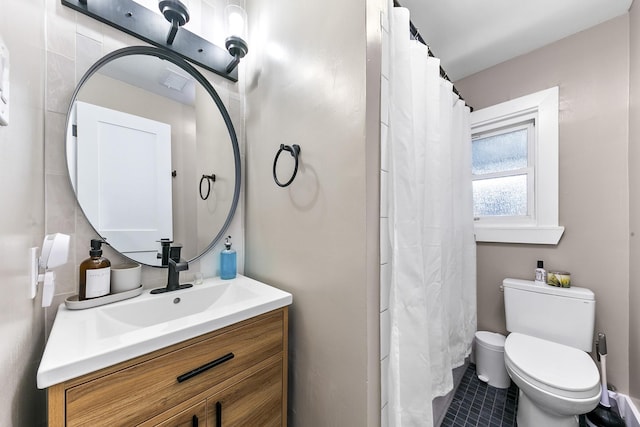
(152, 154)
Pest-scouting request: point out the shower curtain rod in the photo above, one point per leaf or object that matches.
(415, 35)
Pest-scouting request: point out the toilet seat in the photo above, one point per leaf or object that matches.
(558, 369)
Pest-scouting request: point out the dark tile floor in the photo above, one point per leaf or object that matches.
(477, 404)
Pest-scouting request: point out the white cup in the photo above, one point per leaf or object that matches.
(125, 277)
(198, 278)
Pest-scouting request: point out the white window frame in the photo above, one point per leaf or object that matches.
(541, 226)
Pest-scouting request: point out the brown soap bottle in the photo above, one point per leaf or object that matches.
(95, 274)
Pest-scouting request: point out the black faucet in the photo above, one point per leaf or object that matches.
(175, 265)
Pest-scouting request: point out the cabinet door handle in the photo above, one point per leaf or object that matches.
(194, 421)
(218, 414)
(205, 367)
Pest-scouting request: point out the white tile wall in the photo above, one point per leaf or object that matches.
(385, 333)
(384, 92)
(385, 245)
(385, 286)
(385, 416)
(384, 369)
(88, 51)
(384, 147)
(60, 83)
(384, 205)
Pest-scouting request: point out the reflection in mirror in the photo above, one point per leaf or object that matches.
(143, 128)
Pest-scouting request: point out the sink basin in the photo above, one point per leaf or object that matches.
(169, 307)
(83, 341)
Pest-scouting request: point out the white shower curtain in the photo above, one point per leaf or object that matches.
(433, 286)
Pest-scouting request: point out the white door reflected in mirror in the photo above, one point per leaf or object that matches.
(124, 161)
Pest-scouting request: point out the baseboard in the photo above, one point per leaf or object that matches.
(628, 411)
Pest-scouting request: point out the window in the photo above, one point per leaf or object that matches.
(503, 172)
(515, 170)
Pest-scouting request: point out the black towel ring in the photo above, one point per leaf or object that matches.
(295, 152)
(209, 179)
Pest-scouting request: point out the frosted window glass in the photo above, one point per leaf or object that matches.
(505, 196)
(499, 153)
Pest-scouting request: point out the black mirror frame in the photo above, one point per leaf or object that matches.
(193, 72)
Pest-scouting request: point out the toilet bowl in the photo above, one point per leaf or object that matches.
(556, 381)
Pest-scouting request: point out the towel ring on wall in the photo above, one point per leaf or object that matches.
(295, 152)
(209, 179)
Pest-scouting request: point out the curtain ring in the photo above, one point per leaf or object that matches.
(295, 152)
(208, 179)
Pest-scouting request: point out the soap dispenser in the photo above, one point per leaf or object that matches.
(228, 265)
(95, 273)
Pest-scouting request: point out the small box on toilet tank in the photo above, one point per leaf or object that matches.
(561, 279)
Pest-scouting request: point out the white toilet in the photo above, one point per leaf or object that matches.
(545, 354)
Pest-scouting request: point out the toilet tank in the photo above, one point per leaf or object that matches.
(562, 315)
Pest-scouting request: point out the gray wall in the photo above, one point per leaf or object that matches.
(22, 214)
(51, 47)
(308, 84)
(592, 70)
(634, 202)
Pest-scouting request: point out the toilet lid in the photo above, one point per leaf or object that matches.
(491, 340)
(555, 365)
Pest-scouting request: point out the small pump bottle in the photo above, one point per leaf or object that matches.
(541, 274)
(95, 273)
(228, 265)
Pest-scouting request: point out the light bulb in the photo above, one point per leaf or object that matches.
(236, 21)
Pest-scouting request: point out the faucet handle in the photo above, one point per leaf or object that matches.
(174, 252)
(165, 243)
(175, 261)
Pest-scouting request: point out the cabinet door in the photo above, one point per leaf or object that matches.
(254, 401)
(141, 391)
(194, 416)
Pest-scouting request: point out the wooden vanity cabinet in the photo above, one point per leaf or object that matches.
(194, 416)
(236, 376)
(253, 402)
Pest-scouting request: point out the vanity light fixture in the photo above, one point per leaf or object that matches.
(236, 20)
(175, 12)
(150, 27)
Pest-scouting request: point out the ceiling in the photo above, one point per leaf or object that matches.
(153, 74)
(472, 35)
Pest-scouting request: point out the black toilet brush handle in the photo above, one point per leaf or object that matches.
(601, 346)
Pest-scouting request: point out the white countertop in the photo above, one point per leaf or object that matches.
(84, 341)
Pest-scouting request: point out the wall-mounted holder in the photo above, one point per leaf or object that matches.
(295, 152)
(55, 252)
(150, 27)
(209, 179)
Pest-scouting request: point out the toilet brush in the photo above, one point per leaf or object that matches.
(603, 415)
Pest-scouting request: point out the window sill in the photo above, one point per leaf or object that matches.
(526, 234)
